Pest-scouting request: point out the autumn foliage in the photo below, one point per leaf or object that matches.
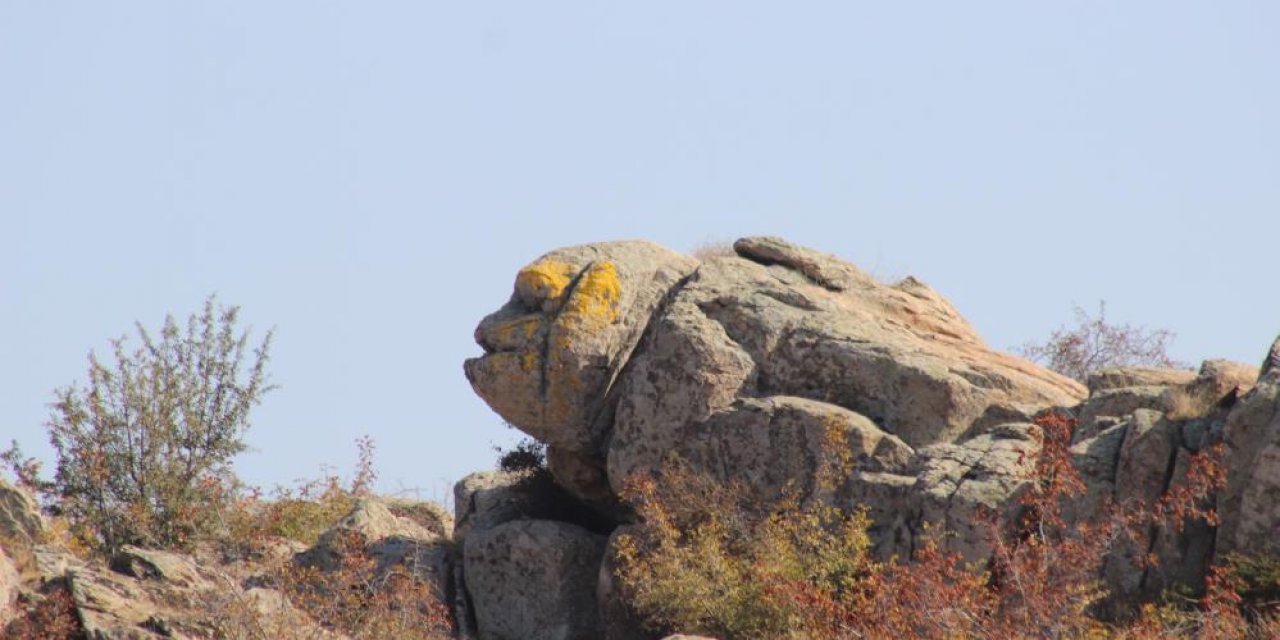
(707, 558)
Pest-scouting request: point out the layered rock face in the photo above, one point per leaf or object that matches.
(750, 367)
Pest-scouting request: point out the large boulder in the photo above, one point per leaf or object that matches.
(534, 580)
(788, 444)
(553, 351)
(783, 320)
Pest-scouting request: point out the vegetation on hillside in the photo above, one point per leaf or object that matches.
(143, 452)
(707, 558)
(1095, 343)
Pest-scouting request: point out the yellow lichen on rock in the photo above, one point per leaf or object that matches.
(543, 281)
(515, 333)
(594, 303)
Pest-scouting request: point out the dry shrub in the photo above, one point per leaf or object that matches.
(358, 599)
(1095, 344)
(709, 249)
(705, 559)
(48, 617)
(300, 513)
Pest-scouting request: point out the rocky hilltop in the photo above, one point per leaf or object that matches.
(620, 356)
(617, 355)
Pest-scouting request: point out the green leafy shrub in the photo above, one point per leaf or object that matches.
(143, 450)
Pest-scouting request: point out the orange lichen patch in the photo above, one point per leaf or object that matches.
(575, 342)
(594, 303)
(543, 281)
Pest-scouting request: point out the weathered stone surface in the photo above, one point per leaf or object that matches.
(822, 269)
(583, 475)
(1249, 507)
(900, 355)
(1118, 403)
(785, 443)
(1123, 377)
(486, 499)
(553, 351)
(1147, 459)
(20, 518)
(1096, 459)
(962, 487)
(893, 504)
(534, 580)
(8, 587)
(147, 594)
(150, 564)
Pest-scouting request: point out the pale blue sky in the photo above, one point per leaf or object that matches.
(367, 177)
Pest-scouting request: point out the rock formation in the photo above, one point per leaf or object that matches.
(755, 368)
(619, 355)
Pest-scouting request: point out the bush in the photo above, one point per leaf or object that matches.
(1095, 344)
(143, 449)
(302, 512)
(528, 455)
(708, 558)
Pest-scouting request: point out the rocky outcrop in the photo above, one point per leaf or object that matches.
(534, 580)
(393, 542)
(20, 520)
(793, 372)
(9, 583)
(778, 322)
(1250, 506)
(754, 366)
(553, 351)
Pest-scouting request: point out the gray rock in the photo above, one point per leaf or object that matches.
(148, 594)
(1147, 459)
(1096, 458)
(1272, 361)
(9, 584)
(20, 518)
(486, 499)
(965, 487)
(900, 356)
(784, 443)
(1118, 403)
(1249, 507)
(1123, 377)
(534, 580)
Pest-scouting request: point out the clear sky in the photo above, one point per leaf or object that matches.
(367, 178)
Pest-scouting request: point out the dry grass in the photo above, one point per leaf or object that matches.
(709, 249)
